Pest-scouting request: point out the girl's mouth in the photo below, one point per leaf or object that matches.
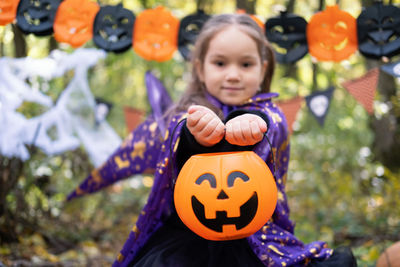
(232, 88)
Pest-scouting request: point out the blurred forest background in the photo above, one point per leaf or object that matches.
(344, 178)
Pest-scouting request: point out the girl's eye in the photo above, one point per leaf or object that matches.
(219, 63)
(247, 65)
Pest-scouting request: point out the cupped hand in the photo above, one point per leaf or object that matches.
(206, 127)
(245, 130)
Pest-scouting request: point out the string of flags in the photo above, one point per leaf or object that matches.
(363, 89)
(155, 34)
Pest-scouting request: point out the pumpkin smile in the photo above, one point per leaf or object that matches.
(247, 212)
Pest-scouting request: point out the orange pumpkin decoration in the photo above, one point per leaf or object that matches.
(332, 35)
(156, 34)
(225, 196)
(8, 11)
(74, 22)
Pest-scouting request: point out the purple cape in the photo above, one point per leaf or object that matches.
(144, 150)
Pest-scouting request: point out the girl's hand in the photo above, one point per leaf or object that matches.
(245, 130)
(206, 127)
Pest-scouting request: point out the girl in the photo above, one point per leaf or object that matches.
(228, 108)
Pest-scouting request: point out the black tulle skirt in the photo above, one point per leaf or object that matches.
(177, 246)
(341, 257)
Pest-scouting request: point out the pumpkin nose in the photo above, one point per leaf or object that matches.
(222, 195)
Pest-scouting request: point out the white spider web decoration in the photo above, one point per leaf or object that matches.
(66, 124)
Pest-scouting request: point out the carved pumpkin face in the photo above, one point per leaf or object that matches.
(378, 30)
(156, 34)
(74, 21)
(37, 16)
(332, 35)
(288, 31)
(189, 28)
(113, 27)
(225, 196)
(8, 11)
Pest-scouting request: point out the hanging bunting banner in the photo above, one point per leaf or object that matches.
(37, 17)
(288, 31)
(156, 34)
(113, 28)
(133, 117)
(319, 103)
(8, 11)
(332, 35)
(363, 89)
(378, 30)
(74, 22)
(392, 69)
(290, 109)
(189, 28)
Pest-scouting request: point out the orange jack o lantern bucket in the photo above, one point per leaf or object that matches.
(225, 196)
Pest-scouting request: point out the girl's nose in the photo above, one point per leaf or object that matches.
(233, 74)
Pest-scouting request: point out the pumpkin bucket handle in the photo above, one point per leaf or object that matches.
(170, 153)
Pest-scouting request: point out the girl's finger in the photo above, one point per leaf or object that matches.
(210, 127)
(262, 124)
(237, 133)
(246, 131)
(228, 133)
(194, 118)
(256, 132)
(216, 135)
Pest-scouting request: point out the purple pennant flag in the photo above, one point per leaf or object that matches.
(392, 69)
(319, 103)
(159, 99)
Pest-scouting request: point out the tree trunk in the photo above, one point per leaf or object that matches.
(10, 171)
(386, 145)
(53, 44)
(247, 5)
(2, 45)
(290, 6)
(19, 42)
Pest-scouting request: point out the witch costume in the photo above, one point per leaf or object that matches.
(144, 151)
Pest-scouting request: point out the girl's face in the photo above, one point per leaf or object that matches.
(232, 70)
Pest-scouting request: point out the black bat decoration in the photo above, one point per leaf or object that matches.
(37, 16)
(113, 28)
(189, 28)
(378, 31)
(288, 31)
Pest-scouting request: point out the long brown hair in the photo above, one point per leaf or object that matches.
(195, 93)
